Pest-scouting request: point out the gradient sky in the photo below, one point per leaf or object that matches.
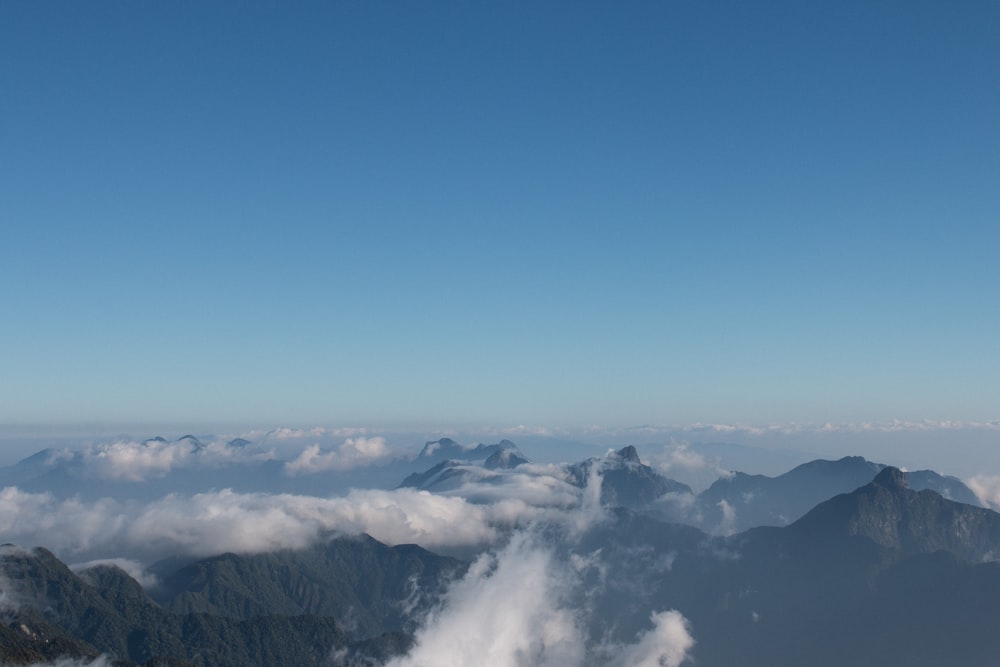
(559, 213)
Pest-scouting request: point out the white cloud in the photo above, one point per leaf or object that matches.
(135, 461)
(987, 489)
(665, 645)
(728, 524)
(535, 484)
(352, 453)
(530, 605)
(508, 611)
(216, 522)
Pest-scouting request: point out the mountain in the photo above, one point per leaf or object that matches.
(951, 488)
(377, 587)
(448, 449)
(882, 576)
(904, 522)
(504, 459)
(157, 467)
(740, 502)
(625, 480)
(252, 610)
(466, 464)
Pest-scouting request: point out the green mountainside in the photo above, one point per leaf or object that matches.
(291, 608)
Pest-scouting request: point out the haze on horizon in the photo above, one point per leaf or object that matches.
(367, 214)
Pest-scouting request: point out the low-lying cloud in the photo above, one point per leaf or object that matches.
(352, 453)
(135, 461)
(211, 523)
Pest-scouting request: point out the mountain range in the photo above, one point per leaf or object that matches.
(833, 563)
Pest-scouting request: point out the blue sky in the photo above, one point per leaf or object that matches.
(508, 213)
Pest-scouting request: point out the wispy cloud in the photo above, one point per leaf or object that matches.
(132, 568)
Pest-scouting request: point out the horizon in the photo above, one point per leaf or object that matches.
(959, 449)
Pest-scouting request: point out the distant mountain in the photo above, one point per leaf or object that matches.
(504, 459)
(190, 466)
(448, 449)
(951, 488)
(625, 480)
(466, 465)
(740, 502)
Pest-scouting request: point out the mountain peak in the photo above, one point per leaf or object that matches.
(628, 453)
(504, 458)
(891, 478)
(444, 447)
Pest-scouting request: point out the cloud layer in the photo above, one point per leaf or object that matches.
(352, 453)
(532, 603)
(211, 523)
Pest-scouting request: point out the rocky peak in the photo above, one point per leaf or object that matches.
(891, 478)
(628, 454)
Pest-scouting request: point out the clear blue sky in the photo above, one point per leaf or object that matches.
(560, 213)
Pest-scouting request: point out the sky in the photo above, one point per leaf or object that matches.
(450, 213)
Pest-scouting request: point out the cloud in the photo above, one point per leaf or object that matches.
(135, 461)
(318, 432)
(472, 517)
(677, 458)
(665, 645)
(352, 453)
(533, 603)
(132, 568)
(509, 610)
(100, 661)
(987, 489)
(540, 485)
(727, 526)
(211, 523)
